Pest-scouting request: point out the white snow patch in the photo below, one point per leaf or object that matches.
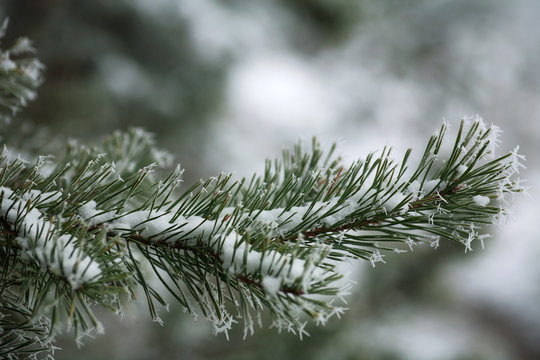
(271, 285)
(92, 216)
(393, 202)
(431, 185)
(461, 169)
(42, 198)
(481, 200)
(414, 188)
(37, 237)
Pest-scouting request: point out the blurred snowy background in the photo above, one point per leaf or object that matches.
(225, 84)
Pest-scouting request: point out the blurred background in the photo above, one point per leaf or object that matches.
(226, 84)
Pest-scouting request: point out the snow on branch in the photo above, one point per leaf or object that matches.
(105, 221)
(42, 243)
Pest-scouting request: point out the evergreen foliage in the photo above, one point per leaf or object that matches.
(20, 74)
(106, 224)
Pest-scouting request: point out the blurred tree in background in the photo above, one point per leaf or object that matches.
(111, 65)
(182, 69)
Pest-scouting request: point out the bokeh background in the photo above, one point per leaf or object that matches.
(226, 84)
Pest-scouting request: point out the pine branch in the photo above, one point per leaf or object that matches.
(99, 226)
(89, 234)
